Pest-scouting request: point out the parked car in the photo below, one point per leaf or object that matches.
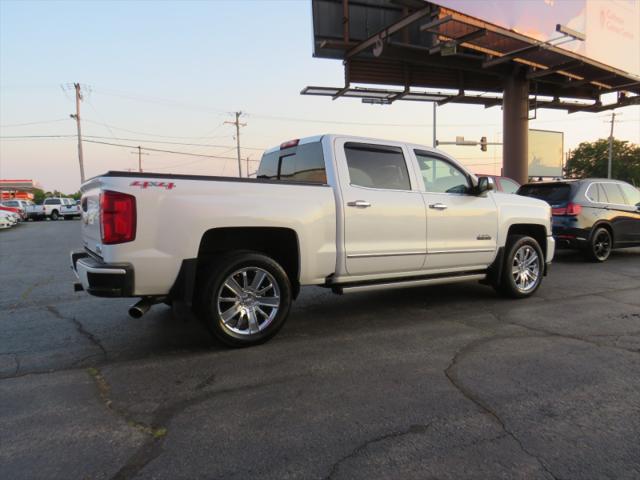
(7, 219)
(55, 207)
(70, 208)
(593, 215)
(345, 213)
(17, 211)
(31, 210)
(503, 184)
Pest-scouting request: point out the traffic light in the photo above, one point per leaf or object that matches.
(483, 144)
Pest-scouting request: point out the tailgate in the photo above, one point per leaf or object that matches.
(90, 206)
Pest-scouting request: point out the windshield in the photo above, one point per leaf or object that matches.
(552, 193)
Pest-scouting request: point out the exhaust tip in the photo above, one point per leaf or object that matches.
(135, 312)
(140, 308)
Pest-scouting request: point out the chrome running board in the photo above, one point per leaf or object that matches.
(354, 288)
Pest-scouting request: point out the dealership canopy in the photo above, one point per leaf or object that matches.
(456, 58)
(437, 54)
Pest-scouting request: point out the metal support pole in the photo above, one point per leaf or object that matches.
(515, 119)
(435, 140)
(610, 163)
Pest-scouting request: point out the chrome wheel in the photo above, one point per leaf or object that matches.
(602, 244)
(248, 301)
(525, 268)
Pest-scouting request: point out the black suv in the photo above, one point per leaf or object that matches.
(593, 215)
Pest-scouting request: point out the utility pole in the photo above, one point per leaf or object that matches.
(77, 119)
(613, 120)
(238, 125)
(139, 152)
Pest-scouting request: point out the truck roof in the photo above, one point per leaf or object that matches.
(318, 138)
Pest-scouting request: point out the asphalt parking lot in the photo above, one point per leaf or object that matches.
(442, 382)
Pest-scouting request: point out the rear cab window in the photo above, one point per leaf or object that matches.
(300, 163)
(552, 193)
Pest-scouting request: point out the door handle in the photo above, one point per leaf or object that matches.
(438, 206)
(359, 204)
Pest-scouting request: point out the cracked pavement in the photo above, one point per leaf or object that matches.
(445, 382)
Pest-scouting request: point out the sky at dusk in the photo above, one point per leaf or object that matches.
(167, 75)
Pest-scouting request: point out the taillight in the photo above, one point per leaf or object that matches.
(571, 210)
(289, 144)
(117, 217)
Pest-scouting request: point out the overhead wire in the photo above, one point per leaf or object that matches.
(150, 149)
(34, 123)
(126, 139)
(147, 133)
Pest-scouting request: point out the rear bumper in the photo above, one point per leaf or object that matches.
(70, 213)
(102, 279)
(570, 237)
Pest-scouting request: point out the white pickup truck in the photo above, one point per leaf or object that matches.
(61, 207)
(346, 213)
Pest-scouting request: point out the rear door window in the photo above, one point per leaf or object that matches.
(631, 194)
(302, 163)
(552, 193)
(377, 166)
(614, 194)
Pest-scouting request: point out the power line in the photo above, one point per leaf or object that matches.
(34, 123)
(35, 136)
(160, 101)
(147, 133)
(204, 145)
(158, 150)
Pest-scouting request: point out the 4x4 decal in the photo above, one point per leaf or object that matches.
(149, 183)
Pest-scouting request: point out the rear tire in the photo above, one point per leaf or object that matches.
(54, 215)
(246, 299)
(523, 267)
(600, 245)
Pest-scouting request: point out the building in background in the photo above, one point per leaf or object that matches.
(20, 189)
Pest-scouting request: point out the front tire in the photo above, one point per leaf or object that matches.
(600, 245)
(246, 299)
(523, 267)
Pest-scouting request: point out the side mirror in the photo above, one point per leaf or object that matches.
(484, 185)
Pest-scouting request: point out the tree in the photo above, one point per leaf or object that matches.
(38, 196)
(590, 159)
